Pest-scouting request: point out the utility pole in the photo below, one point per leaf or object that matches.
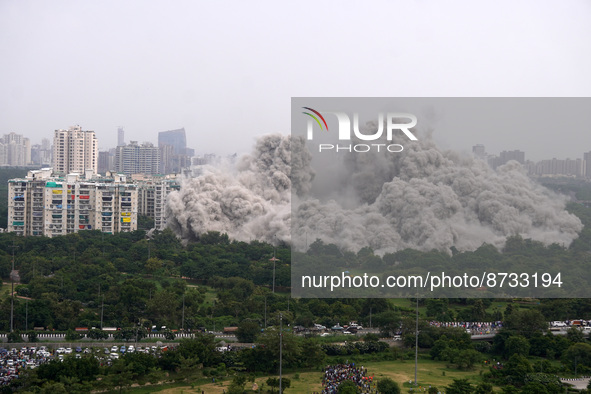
(102, 309)
(280, 352)
(183, 319)
(12, 274)
(417, 341)
(274, 260)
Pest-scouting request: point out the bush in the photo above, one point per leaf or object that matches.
(73, 335)
(14, 336)
(388, 386)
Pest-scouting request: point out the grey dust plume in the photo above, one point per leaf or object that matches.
(422, 198)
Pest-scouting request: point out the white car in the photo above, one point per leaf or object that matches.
(61, 350)
(68, 350)
(114, 356)
(130, 349)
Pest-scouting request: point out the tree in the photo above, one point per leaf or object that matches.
(291, 346)
(169, 335)
(526, 322)
(347, 387)
(575, 335)
(248, 331)
(97, 334)
(484, 388)
(32, 336)
(14, 336)
(460, 386)
(237, 385)
(312, 354)
(467, 358)
(579, 353)
(388, 386)
(389, 322)
(516, 344)
(72, 335)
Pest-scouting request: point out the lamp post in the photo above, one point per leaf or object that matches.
(280, 352)
(274, 260)
(12, 275)
(417, 341)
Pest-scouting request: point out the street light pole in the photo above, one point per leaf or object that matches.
(183, 319)
(417, 341)
(102, 309)
(280, 352)
(12, 289)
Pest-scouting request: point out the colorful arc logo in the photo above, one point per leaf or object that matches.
(315, 118)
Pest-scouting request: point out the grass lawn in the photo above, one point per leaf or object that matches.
(430, 372)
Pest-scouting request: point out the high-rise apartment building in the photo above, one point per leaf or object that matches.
(120, 136)
(74, 151)
(174, 156)
(175, 138)
(587, 161)
(137, 159)
(15, 150)
(152, 195)
(42, 204)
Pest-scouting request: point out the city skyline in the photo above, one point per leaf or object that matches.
(147, 67)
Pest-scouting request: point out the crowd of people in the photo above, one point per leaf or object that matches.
(334, 375)
(472, 327)
(14, 361)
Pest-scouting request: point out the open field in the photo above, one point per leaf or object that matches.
(430, 372)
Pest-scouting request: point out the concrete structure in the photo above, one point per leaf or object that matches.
(137, 159)
(42, 204)
(587, 160)
(120, 136)
(152, 195)
(557, 167)
(175, 138)
(479, 151)
(41, 154)
(174, 157)
(75, 151)
(15, 150)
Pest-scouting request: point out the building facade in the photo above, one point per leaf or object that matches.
(137, 159)
(15, 150)
(74, 151)
(42, 204)
(152, 196)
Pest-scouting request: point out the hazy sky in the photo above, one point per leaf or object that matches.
(226, 70)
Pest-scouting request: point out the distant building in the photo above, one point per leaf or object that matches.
(137, 159)
(479, 151)
(120, 136)
(106, 162)
(41, 154)
(152, 196)
(175, 138)
(587, 160)
(42, 204)
(174, 155)
(558, 167)
(75, 151)
(505, 156)
(15, 150)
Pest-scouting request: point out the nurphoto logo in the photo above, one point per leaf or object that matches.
(394, 122)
